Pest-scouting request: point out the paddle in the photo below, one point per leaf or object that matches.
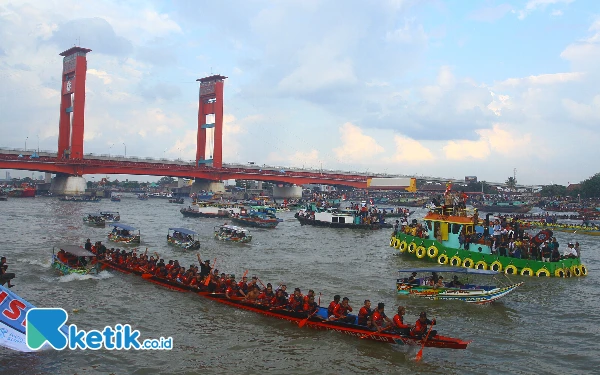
(420, 353)
(378, 331)
(303, 321)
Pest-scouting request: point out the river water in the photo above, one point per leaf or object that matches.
(548, 326)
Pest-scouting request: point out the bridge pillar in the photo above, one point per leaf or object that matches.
(70, 128)
(210, 102)
(68, 185)
(287, 192)
(207, 185)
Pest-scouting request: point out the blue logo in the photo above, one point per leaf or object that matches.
(47, 325)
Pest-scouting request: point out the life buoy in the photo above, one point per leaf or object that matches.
(432, 251)
(526, 272)
(403, 246)
(421, 252)
(443, 259)
(496, 266)
(397, 243)
(510, 270)
(568, 272)
(559, 272)
(468, 263)
(412, 247)
(455, 261)
(481, 265)
(575, 270)
(583, 270)
(542, 272)
(392, 241)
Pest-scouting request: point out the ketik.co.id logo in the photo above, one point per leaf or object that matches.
(47, 325)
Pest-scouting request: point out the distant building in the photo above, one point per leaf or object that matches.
(469, 179)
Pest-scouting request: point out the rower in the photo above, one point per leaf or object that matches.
(341, 312)
(364, 314)
(233, 290)
(333, 304)
(420, 327)
(380, 320)
(403, 329)
(310, 306)
(296, 301)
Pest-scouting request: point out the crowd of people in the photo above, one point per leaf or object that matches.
(207, 278)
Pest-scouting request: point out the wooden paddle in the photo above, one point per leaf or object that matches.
(303, 321)
(378, 331)
(420, 353)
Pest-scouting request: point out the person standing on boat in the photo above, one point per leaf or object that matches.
(364, 314)
(403, 329)
(88, 245)
(420, 327)
(577, 249)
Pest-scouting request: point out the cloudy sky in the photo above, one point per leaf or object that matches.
(416, 87)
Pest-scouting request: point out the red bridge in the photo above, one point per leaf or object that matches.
(70, 159)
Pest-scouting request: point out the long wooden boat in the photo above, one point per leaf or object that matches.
(125, 234)
(588, 230)
(74, 259)
(471, 293)
(448, 251)
(318, 321)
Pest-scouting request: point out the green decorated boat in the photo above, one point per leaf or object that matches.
(421, 242)
(74, 259)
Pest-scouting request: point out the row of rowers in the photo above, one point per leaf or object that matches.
(254, 291)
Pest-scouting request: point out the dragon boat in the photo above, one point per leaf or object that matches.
(183, 238)
(94, 219)
(469, 292)
(589, 230)
(316, 321)
(232, 233)
(125, 234)
(479, 255)
(74, 259)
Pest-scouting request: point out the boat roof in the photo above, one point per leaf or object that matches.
(234, 227)
(450, 269)
(183, 230)
(77, 251)
(123, 226)
(449, 218)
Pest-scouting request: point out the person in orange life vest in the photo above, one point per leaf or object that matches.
(310, 306)
(169, 265)
(380, 320)
(308, 295)
(364, 314)
(420, 327)
(402, 328)
(296, 300)
(333, 304)
(195, 281)
(267, 295)
(341, 311)
(244, 284)
(279, 301)
(234, 290)
(283, 288)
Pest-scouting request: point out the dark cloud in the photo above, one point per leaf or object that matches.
(95, 33)
(159, 90)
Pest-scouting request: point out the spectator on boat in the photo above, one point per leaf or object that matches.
(420, 327)
(341, 311)
(379, 319)
(4, 275)
(439, 283)
(364, 314)
(412, 279)
(555, 244)
(396, 226)
(546, 252)
(577, 249)
(88, 245)
(455, 283)
(399, 326)
(461, 240)
(570, 251)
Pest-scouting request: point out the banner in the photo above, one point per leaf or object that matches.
(12, 320)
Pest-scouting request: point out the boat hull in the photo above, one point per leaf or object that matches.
(256, 222)
(195, 245)
(408, 245)
(470, 295)
(233, 239)
(319, 223)
(194, 213)
(126, 240)
(65, 269)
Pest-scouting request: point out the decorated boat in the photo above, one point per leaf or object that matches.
(94, 219)
(125, 234)
(3, 197)
(439, 240)
(184, 238)
(111, 216)
(453, 290)
(411, 202)
(232, 233)
(176, 200)
(74, 259)
(260, 217)
(504, 206)
(24, 191)
(339, 218)
(318, 320)
(210, 210)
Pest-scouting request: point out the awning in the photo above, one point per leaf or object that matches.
(77, 251)
(183, 230)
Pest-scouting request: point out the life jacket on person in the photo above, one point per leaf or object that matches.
(296, 302)
(378, 318)
(310, 307)
(420, 327)
(340, 310)
(331, 307)
(363, 315)
(399, 322)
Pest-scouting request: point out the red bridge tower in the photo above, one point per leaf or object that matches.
(70, 130)
(210, 103)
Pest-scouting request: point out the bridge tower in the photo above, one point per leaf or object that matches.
(72, 103)
(210, 103)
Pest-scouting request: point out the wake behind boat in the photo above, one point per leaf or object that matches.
(453, 290)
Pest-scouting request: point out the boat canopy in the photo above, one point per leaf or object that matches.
(124, 226)
(183, 230)
(109, 212)
(77, 251)
(450, 269)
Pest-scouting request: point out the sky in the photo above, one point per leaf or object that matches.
(410, 87)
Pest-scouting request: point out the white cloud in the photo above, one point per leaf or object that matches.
(356, 147)
(533, 5)
(544, 79)
(411, 151)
